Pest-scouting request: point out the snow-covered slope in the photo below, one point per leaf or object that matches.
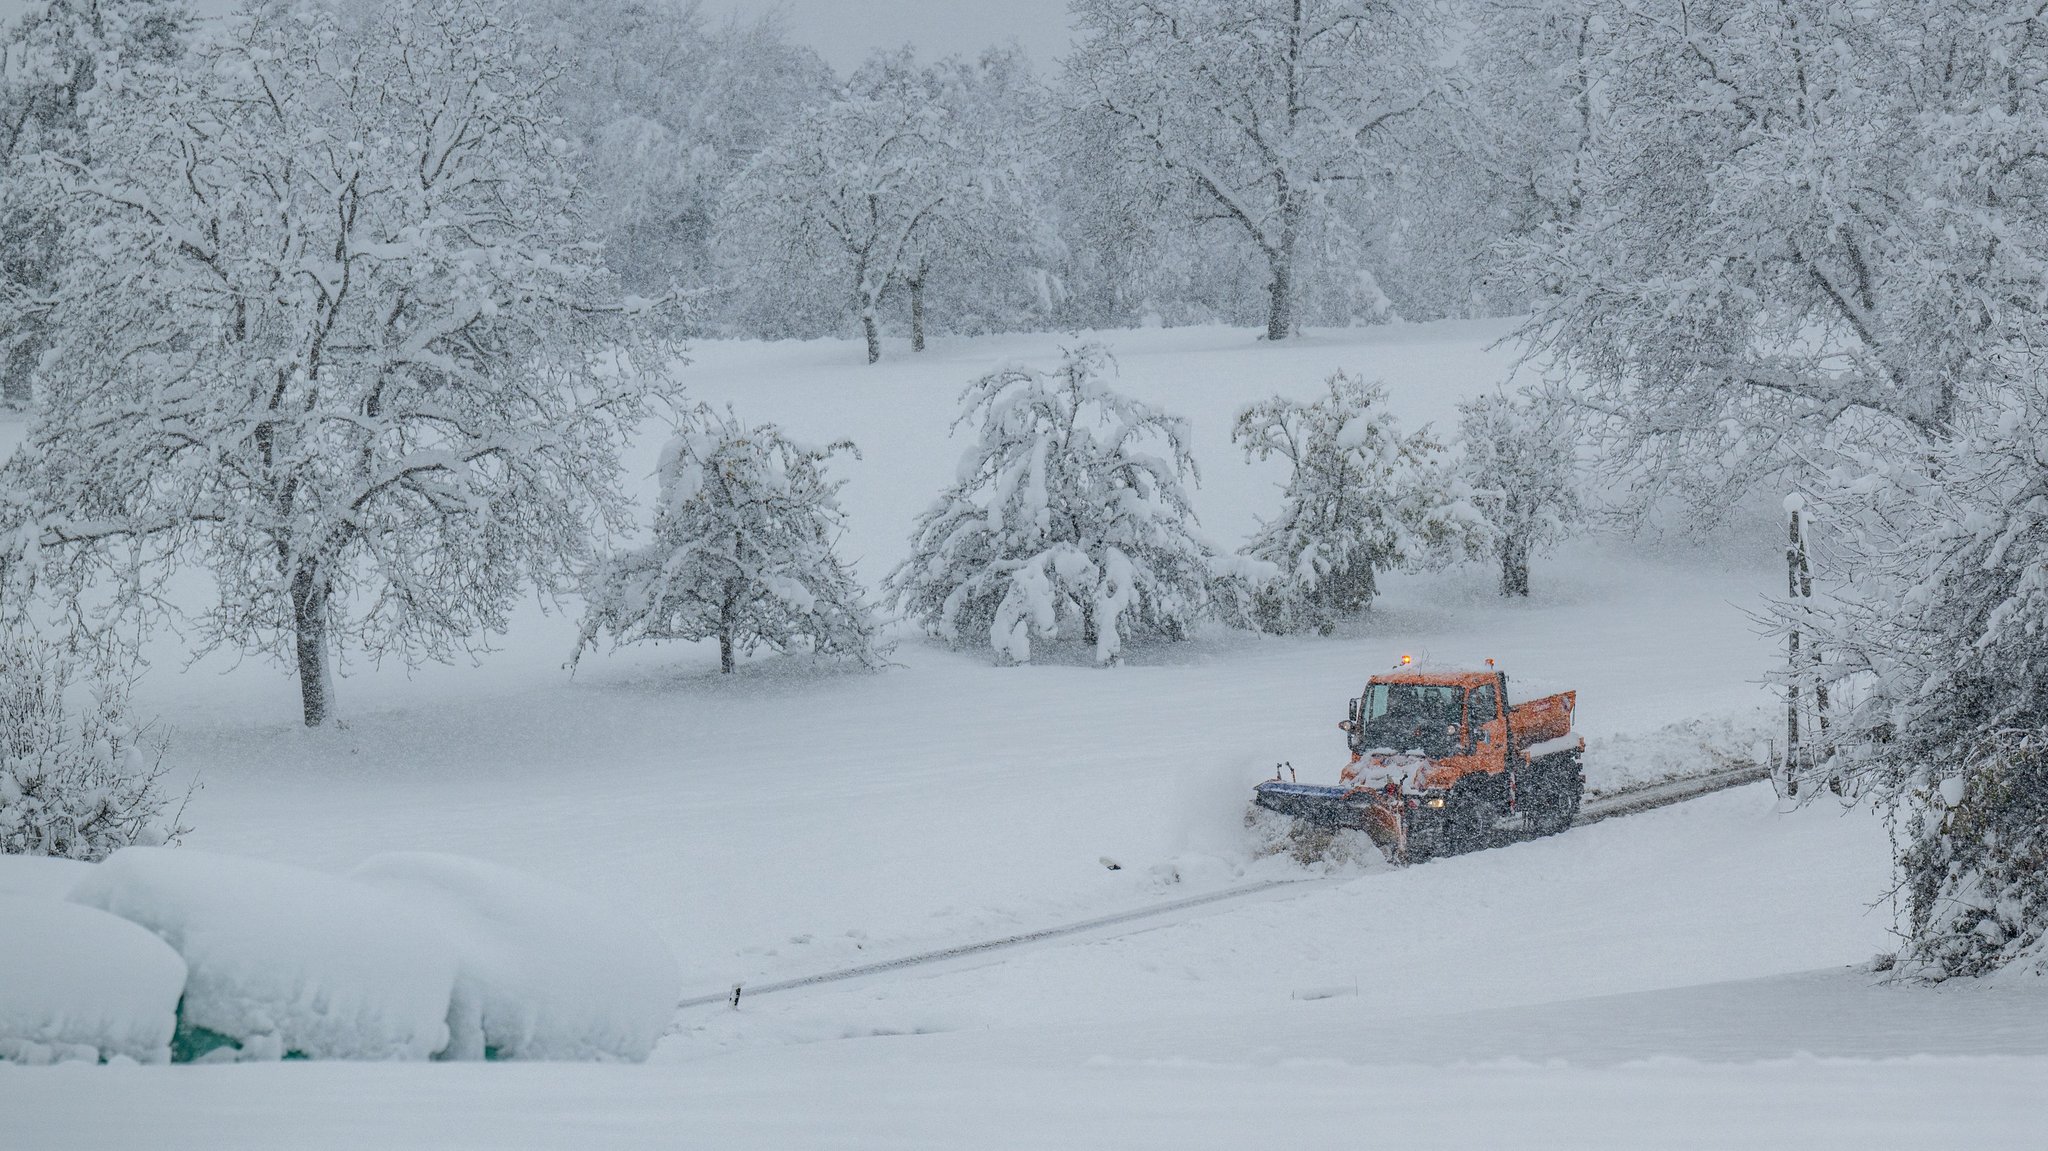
(791, 819)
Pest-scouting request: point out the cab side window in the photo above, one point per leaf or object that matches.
(1481, 708)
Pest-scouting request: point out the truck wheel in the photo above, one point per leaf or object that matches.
(1469, 813)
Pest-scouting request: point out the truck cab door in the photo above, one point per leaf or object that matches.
(1486, 726)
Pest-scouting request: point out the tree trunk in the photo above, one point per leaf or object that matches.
(1795, 554)
(309, 627)
(725, 630)
(917, 313)
(1514, 567)
(1280, 312)
(866, 298)
(1280, 262)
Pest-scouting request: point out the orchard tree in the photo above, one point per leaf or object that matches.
(1258, 113)
(1070, 519)
(986, 260)
(49, 59)
(330, 328)
(666, 106)
(1361, 498)
(1530, 118)
(910, 177)
(1517, 461)
(743, 551)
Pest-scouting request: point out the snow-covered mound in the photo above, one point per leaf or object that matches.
(40, 875)
(77, 983)
(284, 959)
(545, 973)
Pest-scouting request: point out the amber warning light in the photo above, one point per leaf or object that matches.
(1406, 660)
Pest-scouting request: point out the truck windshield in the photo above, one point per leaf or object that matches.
(1413, 717)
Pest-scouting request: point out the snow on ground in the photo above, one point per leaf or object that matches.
(791, 819)
(788, 817)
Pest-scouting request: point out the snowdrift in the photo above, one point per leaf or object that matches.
(284, 960)
(40, 875)
(544, 973)
(163, 953)
(77, 983)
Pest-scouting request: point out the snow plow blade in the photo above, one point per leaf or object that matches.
(1320, 806)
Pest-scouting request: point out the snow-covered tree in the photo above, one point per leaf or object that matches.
(1798, 220)
(1928, 628)
(1535, 100)
(1517, 461)
(743, 551)
(49, 59)
(1361, 498)
(80, 778)
(988, 255)
(665, 105)
(330, 327)
(887, 186)
(1070, 518)
(1259, 113)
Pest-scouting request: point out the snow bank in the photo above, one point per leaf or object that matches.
(283, 959)
(77, 983)
(545, 972)
(40, 875)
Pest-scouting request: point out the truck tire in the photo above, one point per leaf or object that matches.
(1548, 793)
(1464, 823)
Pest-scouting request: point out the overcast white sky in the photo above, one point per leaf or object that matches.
(844, 31)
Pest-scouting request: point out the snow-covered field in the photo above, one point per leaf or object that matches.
(1679, 978)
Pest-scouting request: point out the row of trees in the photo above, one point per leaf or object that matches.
(1797, 246)
(1273, 161)
(1072, 520)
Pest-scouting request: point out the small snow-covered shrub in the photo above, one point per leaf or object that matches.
(544, 972)
(77, 983)
(1070, 517)
(284, 960)
(1977, 875)
(1516, 459)
(1362, 498)
(742, 551)
(78, 777)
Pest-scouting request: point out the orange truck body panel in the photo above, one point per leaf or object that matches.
(1541, 720)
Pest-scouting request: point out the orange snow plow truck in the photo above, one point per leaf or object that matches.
(1442, 763)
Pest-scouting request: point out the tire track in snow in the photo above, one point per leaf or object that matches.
(1628, 801)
